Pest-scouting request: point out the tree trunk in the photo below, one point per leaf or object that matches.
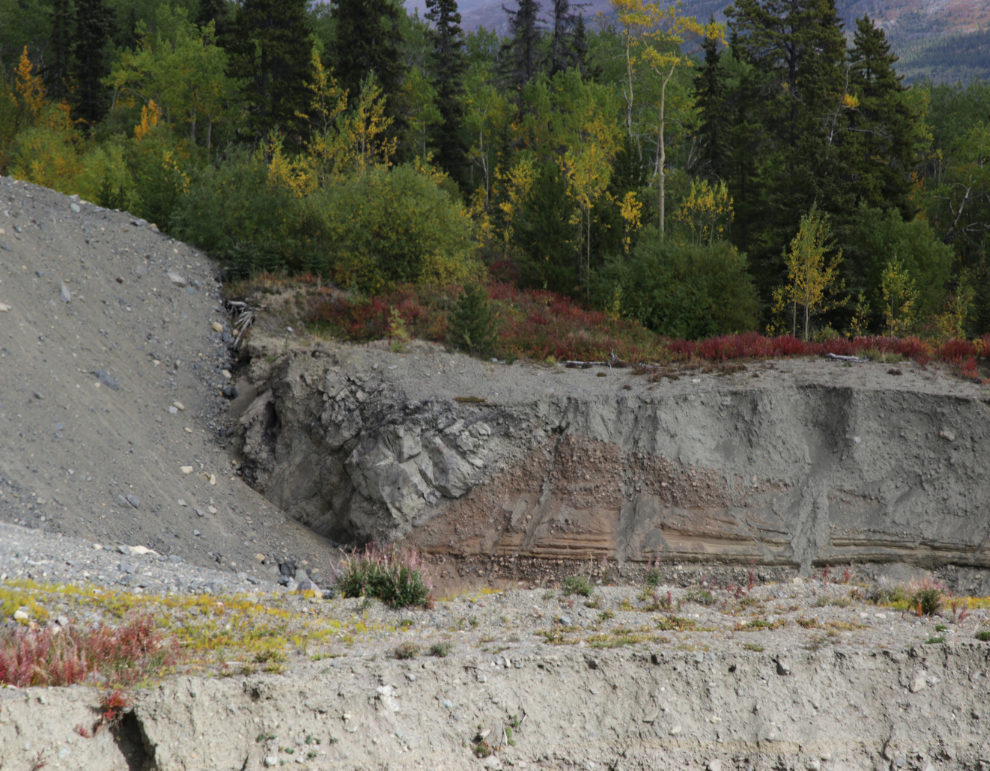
(662, 150)
(629, 90)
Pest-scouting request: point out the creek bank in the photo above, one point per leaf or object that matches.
(791, 463)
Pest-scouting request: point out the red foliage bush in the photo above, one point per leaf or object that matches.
(543, 325)
(55, 656)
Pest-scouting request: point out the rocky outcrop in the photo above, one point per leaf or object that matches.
(794, 463)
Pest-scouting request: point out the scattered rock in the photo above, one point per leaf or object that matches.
(186, 469)
(714, 765)
(106, 379)
(176, 279)
(217, 326)
(4, 308)
(783, 667)
(22, 614)
(64, 294)
(133, 500)
(918, 683)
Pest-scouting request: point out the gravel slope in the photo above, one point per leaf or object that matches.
(107, 326)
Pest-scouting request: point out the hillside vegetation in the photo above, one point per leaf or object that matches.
(695, 179)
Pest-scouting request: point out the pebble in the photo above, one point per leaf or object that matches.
(64, 294)
(105, 378)
(918, 683)
(714, 765)
(217, 326)
(783, 667)
(176, 279)
(186, 469)
(22, 614)
(133, 500)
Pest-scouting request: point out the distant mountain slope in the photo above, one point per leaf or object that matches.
(946, 40)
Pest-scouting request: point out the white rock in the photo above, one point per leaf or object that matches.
(186, 469)
(217, 326)
(176, 279)
(22, 614)
(4, 308)
(714, 765)
(270, 761)
(387, 699)
(178, 405)
(918, 683)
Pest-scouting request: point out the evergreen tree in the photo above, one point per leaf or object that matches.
(472, 323)
(544, 233)
(796, 84)
(520, 54)
(564, 51)
(368, 40)
(883, 125)
(57, 73)
(94, 30)
(126, 38)
(713, 133)
(218, 12)
(270, 48)
(588, 69)
(449, 64)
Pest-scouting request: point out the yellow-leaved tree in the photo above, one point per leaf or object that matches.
(706, 213)
(657, 41)
(813, 283)
(30, 89)
(899, 297)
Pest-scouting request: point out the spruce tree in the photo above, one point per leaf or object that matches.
(589, 70)
(472, 323)
(545, 235)
(94, 29)
(449, 64)
(218, 12)
(881, 145)
(520, 54)
(709, 89)
(57, 72)
(368, 40)
(270, 47)
(564, 44)
(794, 55)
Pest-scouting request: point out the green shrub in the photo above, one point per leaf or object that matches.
(983, 635)
(878, 237)
(927, 601)
(441, 649)
(406, 650)
(233, 213)
(472, 325)
(577, 585)
(682, 291)
(391, 226)
(388, 575)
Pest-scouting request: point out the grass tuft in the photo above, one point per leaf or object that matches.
(386, 574)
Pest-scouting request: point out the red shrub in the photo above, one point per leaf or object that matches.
(55, 656)
(540, 325)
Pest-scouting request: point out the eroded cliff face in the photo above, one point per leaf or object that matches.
(784, 463)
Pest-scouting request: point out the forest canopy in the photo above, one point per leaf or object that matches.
(771, 173)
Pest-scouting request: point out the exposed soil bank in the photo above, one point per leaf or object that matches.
(669, 709)
(795, 463)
